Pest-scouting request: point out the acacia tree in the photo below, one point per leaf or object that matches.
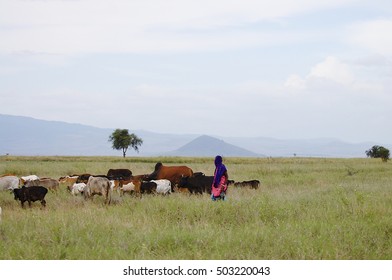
(378, 152)
(122, 140)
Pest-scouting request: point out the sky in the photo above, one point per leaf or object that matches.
(284, 69)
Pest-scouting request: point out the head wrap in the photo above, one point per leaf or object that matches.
(220, 169)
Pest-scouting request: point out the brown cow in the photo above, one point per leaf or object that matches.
(131, 186)
(171, 173)
(48, 183)
(69, 180)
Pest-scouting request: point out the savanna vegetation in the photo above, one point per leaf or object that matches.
(305, 208)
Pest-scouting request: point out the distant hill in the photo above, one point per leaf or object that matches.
(323, 147)
(210, 146)
(29, 136)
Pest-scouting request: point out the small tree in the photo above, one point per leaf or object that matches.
(378, 152)
(122, 140)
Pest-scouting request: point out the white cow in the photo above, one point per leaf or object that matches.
(9, 183)
(163, 186)
(77, 188)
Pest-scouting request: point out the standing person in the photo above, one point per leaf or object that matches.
(219, 185)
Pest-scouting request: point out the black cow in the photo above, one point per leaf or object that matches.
(197, 184)
(148, 187)
(83, 178)
(30, 194)
(253, 184)
(119, 174)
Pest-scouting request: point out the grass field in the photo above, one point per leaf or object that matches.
(306, 208)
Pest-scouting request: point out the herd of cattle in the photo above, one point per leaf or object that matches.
(163, 180)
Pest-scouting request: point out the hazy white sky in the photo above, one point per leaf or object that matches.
(284, 69)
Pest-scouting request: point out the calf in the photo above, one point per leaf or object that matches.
(129, 187)
(253, 184)
(68, 179)
(148, 187)
(163, 186)
(77, 188)
(30, 194)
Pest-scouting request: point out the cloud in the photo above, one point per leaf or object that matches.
(144, 26)
(374, 35)
(330, 72)
(294, 81)
(365, 75)
(332, 69)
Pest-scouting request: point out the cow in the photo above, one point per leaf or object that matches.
(99, 186)
(142, 177)
(163, 186)
(83, 178)
(115, 185)
(27, 178)
(253, 184)
(171, 173)
(197, 184)
(30, 194)
(129, 187)
(148, 187)
(119, 174)
(77, 188)
(139, 186)
(9, 183)
(230, 182)
(49, 183)
(70, 180)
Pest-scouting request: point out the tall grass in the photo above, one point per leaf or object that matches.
(306, 208)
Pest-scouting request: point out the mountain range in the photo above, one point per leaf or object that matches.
(28, 136)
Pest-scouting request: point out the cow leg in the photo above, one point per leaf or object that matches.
(29, 201)
(43, 202)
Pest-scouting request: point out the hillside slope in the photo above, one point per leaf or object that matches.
(29, 136)
(210, 146)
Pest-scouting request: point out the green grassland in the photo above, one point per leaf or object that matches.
(305, 208)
